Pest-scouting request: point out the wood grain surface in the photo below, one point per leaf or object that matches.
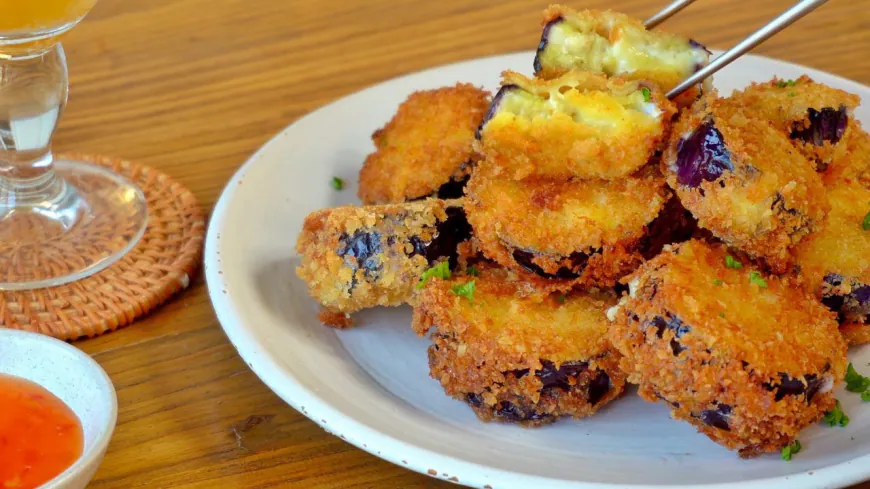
(195, 86)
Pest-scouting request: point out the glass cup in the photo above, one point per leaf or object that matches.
(60, 220)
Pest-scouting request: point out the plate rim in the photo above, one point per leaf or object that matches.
(414, 457)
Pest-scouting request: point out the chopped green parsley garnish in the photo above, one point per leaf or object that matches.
(755, 277)
(561, 299)
(337, 183)
(473, 271)
(721, 314)
(836, 417)
(792, 94)
(865, 224)
(856, 382)
(791, 449)
(441, 270)
(865, 396)
(785, 83)
(718, 282)
(465, 290)
(647, 95)
(730, 262)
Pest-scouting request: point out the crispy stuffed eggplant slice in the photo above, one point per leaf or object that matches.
(577, 125)
(359, 257)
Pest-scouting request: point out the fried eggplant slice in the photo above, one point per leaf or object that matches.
(617, 45)
(814, 116)
(354, 258)
(744, 181)
(835, 260)
(577, 125)
(585, 232)
(748, 359)
(514, 358)
(426, 149)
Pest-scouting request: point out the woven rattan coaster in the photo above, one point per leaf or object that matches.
(160, 265)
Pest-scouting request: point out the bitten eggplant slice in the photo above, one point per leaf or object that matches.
(836, 259)
(814, 116)
(426, 148)
(585, 232)
(359, 257)
(518, 359)
(616, 45)
(748, 359)
(744, 181)
(577, 125)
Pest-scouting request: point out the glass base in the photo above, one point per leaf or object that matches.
(95, 220)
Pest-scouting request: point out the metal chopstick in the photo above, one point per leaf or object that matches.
(667, 12)
(784, 20)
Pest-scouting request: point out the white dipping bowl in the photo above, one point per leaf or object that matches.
(78, 381)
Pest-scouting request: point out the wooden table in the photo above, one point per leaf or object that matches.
(195, 86)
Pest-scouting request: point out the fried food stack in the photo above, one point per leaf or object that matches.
(579, 230)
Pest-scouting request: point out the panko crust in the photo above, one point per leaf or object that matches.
(535, 129)
(841, 246)
(427, 144)
(854, 163)
(354, 258)
(579, 232)
(500, 348)
(618, 45)
(564, 216)
(856, 333)
(768, 202)
(749, 366)
(835, 261)
(786, 104)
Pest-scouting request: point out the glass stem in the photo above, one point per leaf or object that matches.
(33, 93)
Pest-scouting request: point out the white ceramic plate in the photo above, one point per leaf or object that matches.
(370, 385)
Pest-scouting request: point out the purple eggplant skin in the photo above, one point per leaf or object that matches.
(674, 324)
(827, 124)
(448, 234)
(552, 379)
(789, 386)
(452, 189)
(493, 107)
(702, 156)
(854, 306)
(578, 260)
(717, 418)
(696, 44)
(545, 40)
(509, 411)
(363, 250)
(674, 224)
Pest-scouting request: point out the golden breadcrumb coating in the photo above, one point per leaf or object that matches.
(756, 192)
(519, 358)
(856, 334)
(354, 258)
(749, 359)
(835, 261)
(427, 144)
(586, 230)
(564, 216)
(577, 125)
(787, 104)
(854, 163)
(617, 45)
(842, 246)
